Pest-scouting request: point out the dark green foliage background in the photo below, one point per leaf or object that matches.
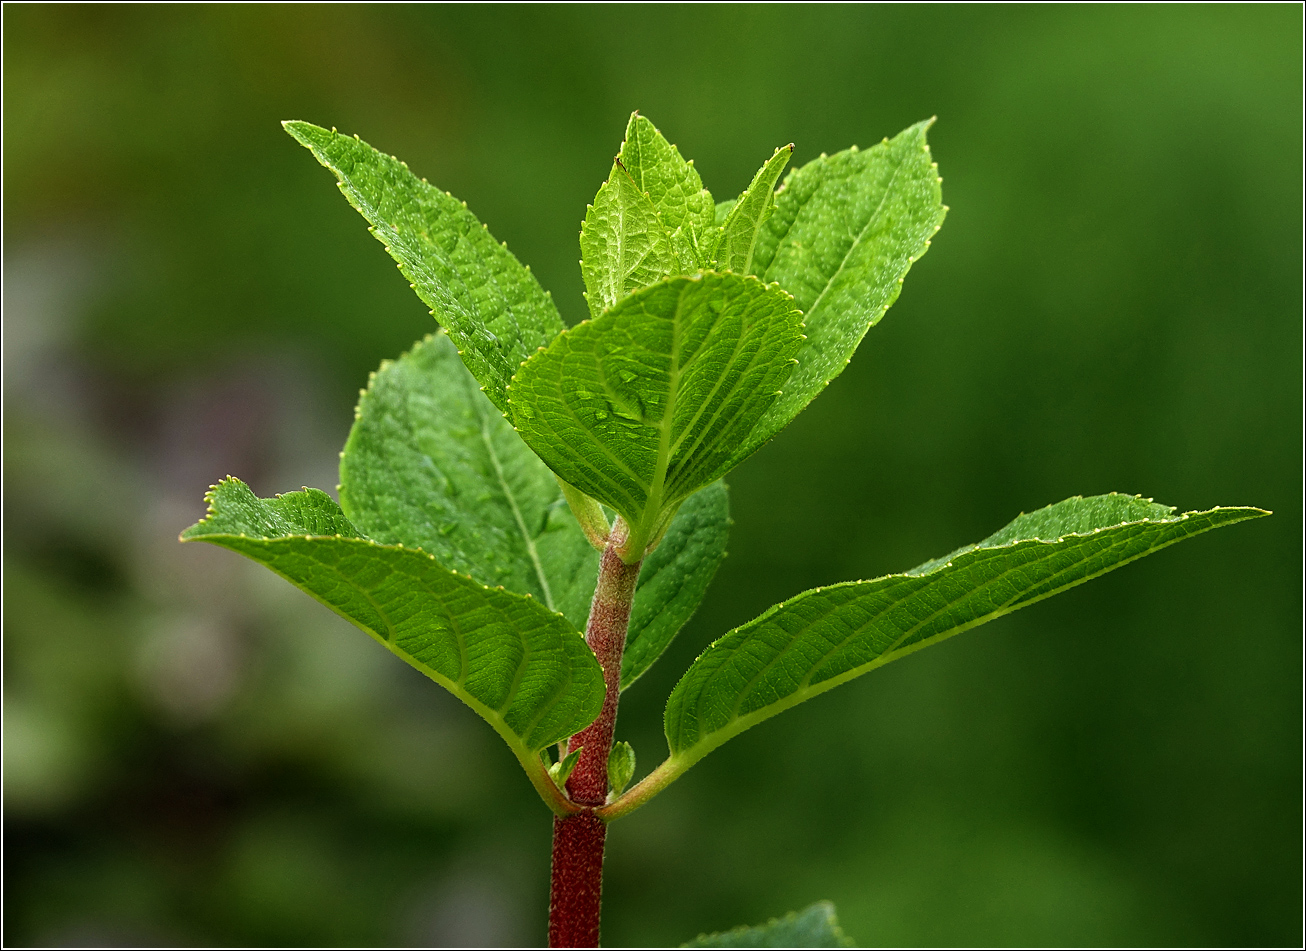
(195, 753)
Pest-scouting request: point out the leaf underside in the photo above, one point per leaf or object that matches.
(824, 637)
(675, 577)
(523, 668)
(645, 405)
(431, 464)
(844, 231)
(492, 306)
(814, 927)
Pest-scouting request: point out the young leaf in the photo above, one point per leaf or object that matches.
(520, 666)
(684, 206)
(825, 637)
(492, 307)
(814, 927)
(621, 766)
(431, 464)
(623, 243)
(744, 221)
(641, 407)
(675, 578)
(560, 771)
(844, 232)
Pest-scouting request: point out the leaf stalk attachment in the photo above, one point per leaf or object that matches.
(578, 840)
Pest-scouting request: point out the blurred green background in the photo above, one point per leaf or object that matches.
(194, 752)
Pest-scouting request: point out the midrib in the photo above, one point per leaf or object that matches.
(654, 501)
(856, 243)
(516, 513)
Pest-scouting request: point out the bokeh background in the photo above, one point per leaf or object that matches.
(195, 752)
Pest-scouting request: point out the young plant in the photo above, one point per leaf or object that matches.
(511, 481)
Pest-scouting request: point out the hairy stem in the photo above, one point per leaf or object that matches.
(578, 840)
(577, 882)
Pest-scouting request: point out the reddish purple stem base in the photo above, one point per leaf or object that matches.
(577, 881)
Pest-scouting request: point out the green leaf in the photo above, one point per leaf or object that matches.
(675, 578)
(520, 666)
(683, 205)
(589, 514)
(621, 766)
(560, 771)
(641, 407)
(623, 243)
(431, 464)
(825, 637)
(814, 927)
(845, 230)
(744, 221)
(492, 306)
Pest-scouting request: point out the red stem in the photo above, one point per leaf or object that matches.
(578, 840)
(577, 881)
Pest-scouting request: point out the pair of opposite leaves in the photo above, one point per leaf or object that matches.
(670, 386)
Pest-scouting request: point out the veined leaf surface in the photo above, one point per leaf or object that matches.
(523, 668)
(492, 306)
(814, 927)
(684, 206)
(825, 637)
(744, 220)
(431, 464)
(844, 232)
(641, 407)
(675, 578)
(623, 243)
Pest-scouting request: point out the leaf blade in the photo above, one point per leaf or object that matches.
(623, 243)
(827, 636)
(675, 577)
(492, 306)
(673, 185)
(845, 230)
(431, 464)
(524, 669)
(816, 926)
(745, 218)
(643, 406)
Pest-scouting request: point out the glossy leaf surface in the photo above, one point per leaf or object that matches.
(431, 464)
(672, 184)
(814, 927)
(643, 406)
(523, 668)
(744, 220)
(844, 232)
(623, 243)
(827, 636)
(492, 306)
